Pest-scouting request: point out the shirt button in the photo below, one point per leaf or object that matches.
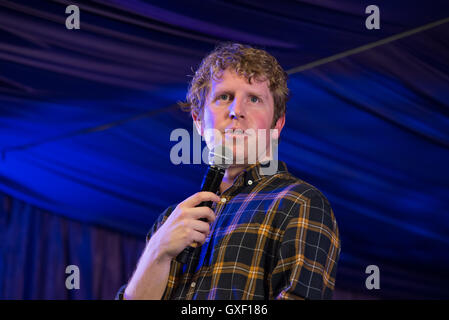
(223, 200)
(193, 284)
(250, 182)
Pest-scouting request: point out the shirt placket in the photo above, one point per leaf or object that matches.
(224, 199)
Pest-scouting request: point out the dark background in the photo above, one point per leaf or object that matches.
(86, 117)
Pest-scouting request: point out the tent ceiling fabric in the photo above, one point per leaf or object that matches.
(86, 116)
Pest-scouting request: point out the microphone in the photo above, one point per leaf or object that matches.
(220, 158)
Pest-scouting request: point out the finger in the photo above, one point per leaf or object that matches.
(201, 226)
(201, 212)
(199, 197)
(199, 237)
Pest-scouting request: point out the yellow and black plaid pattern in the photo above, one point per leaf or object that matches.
(274, 237)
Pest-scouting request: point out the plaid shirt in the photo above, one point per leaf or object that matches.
(274, 237)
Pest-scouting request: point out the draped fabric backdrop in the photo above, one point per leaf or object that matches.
(86, 117)
(37, 246)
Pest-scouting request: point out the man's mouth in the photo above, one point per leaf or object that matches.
(235, 133)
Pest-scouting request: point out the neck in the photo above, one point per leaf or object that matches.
(230, 174)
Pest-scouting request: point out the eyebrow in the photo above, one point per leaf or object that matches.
(262, 95)
(223, 91)
(220, 92)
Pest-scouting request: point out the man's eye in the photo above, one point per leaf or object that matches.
(223, 97)
(255, 99)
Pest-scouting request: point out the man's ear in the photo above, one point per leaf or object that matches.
(198, 124)
(279, 125)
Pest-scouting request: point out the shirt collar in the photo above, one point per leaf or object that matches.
(259, 171)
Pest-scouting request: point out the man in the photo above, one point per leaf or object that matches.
(267, 236)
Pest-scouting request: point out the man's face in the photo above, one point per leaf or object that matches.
(242, 116)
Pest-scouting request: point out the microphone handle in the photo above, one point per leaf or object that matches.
(211, 182)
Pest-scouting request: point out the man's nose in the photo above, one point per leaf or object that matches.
(236, 110)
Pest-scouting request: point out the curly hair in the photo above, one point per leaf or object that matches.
(247, 62)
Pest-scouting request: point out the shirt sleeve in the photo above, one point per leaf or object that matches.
(121, 291)
(156, 225)
(159, 221)
(309, 251)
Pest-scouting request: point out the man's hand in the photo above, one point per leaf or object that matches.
(180, 230)
(183, 226)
